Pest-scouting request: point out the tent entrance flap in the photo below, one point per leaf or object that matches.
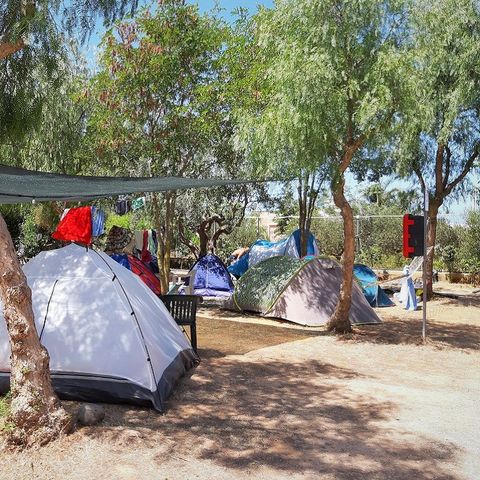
(18, 185)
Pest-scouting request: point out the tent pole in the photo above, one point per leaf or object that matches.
(424, 273)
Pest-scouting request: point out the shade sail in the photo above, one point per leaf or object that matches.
(18, 185)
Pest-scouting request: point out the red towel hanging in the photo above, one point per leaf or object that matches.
(75, 226)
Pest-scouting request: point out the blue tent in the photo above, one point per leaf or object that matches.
(211, 277)
(371, 289)
(263, 249)
(239, 267)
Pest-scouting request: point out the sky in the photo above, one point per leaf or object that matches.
(456, 210)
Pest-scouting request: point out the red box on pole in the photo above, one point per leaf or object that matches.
(413, 235)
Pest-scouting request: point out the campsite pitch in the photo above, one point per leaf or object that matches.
(270, 402)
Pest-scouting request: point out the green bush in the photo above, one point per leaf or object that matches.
(4, 412)
(124, 221)
(329, 235)
(12, 214)
(469, 252)
(242, 236)
(35, 238)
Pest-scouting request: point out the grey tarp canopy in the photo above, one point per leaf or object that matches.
(18, 185)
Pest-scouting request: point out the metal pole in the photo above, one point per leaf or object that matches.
(424, 276)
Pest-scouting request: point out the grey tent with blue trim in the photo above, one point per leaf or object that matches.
(110, 339)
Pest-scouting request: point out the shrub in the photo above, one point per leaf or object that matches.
(4, 412)
(469, 252)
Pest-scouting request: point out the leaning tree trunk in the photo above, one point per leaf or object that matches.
(431, 237)
(36, 413)
(340, 321)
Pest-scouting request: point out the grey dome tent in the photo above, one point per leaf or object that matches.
(110, 339)
(303, 291)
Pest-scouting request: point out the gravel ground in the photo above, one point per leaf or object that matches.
(274, 401)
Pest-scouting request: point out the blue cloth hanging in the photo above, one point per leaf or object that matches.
(98, 222)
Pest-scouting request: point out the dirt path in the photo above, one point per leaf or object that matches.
(269, 402)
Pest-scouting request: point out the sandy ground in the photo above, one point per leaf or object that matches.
(276, 401)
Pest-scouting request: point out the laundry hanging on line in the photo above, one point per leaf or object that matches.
(98, 222)
(75, 226)
(122, 206)
(80, 225)
(146, 245)
(138, 203)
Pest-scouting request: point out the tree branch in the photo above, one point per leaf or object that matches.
(183, 238)
(418, 173)
(227, 229)
(9, 48)
(467, 167)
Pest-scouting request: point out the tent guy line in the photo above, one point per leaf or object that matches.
(18, 185)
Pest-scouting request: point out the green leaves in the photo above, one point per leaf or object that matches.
(441, 92)
(35, 24)
(326, 75)
(157, 94)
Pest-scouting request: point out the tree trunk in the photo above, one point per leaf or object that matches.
(340, 321)
(36, 413)
(302, 217)
(204, 239)
(303, 235)
(185, 240)
(164, 234)
(169, 212)
(303, 242)
(431, 237)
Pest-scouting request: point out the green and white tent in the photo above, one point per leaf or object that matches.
(303, 291)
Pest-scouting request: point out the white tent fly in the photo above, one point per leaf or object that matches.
(110, 339)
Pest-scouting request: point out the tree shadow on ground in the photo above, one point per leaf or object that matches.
(291, 417)
(236, 338)
(397, 331)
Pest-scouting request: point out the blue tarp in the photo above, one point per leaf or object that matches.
(239, 267)
(122, 259)
(263, 249)
(371, 289)
(211, 277)
(311, 243)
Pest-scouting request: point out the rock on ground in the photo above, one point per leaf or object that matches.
(90, 414)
